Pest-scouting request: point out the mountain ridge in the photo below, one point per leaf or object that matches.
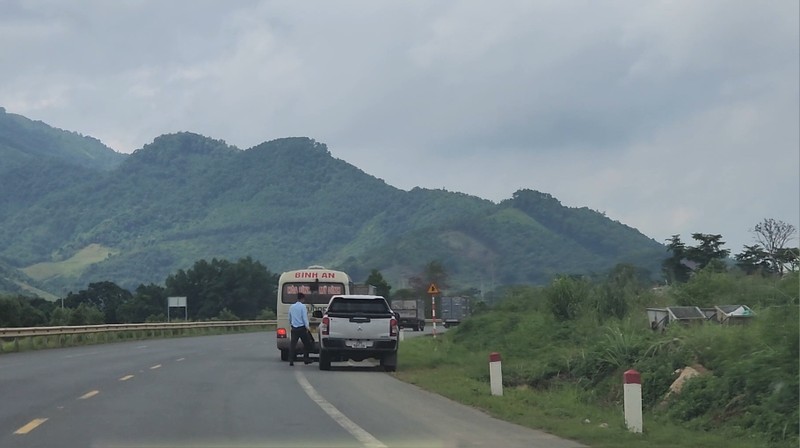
(288, 202)
(23, 139)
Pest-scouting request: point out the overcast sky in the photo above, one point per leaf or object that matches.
(671, 117)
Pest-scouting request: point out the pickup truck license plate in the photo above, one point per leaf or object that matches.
(359, 344)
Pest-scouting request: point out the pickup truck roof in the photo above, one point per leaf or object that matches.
(357, 296)
(356, 303)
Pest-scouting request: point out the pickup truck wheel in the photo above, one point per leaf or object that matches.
(284, 355)
(324, 361)
(389, 362)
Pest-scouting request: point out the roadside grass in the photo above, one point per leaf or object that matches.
(61, 341)
(444, 367)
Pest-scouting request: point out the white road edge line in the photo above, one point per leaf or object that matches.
(88, 395)
(366, 439)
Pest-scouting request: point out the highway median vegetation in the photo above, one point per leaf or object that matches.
(565, 346)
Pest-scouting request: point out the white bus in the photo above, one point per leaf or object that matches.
(318, 284)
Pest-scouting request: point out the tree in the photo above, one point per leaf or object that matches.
(245, 288)
(773, 235)
(147, 301)
(60, 316)
(752, 260)
(674, 268)
(85, 314)
(433, 273)
(105, 297)
(381, 285)
(710, 248)
(789, 258)
(404, 293)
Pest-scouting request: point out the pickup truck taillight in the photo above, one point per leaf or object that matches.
(281, 333)
(393, 327)
(325, 326)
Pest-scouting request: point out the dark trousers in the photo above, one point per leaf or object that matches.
(302, 334)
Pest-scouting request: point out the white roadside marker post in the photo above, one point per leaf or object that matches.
(633, 400)
(495, 374)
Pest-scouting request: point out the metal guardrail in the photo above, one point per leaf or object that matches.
(84, 329)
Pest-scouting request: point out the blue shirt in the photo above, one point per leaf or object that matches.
(298, 315)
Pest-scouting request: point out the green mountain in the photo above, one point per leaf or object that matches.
(23, 140)
(65, 222)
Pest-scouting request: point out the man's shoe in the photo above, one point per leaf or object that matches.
(291, 364)
(307, 362)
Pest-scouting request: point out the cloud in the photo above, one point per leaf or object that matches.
(673, 117)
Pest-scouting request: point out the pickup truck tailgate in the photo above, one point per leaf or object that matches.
(359, 327)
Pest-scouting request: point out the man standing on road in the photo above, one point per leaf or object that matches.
(298, 319)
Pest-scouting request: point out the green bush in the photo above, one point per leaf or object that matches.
(155, 318)
(266, 314)
(226, 315)
(566, 296)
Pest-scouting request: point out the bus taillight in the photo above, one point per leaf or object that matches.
(281, 333)
(325, 326)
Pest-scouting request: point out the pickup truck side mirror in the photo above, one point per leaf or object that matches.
(317, 314)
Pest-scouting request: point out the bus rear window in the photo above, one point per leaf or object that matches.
(321, 296)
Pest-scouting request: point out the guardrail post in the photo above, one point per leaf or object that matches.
(16, 344)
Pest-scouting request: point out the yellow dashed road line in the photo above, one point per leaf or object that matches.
(33, 424)
(30, 426)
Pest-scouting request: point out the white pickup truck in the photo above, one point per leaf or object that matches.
(358, 327)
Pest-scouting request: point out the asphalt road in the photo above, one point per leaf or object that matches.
(227, 391)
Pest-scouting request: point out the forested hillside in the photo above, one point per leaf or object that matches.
(286, 203)
(23, 140)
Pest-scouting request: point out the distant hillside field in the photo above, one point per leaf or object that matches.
(71, 267)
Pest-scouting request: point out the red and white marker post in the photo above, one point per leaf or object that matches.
(495, 374)
(433, 314)
(433, 290)
(633, 400)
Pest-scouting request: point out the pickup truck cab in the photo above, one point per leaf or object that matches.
(358, 327)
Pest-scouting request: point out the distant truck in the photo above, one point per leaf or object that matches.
(364, 289)
(411, 313)
(453, 310)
